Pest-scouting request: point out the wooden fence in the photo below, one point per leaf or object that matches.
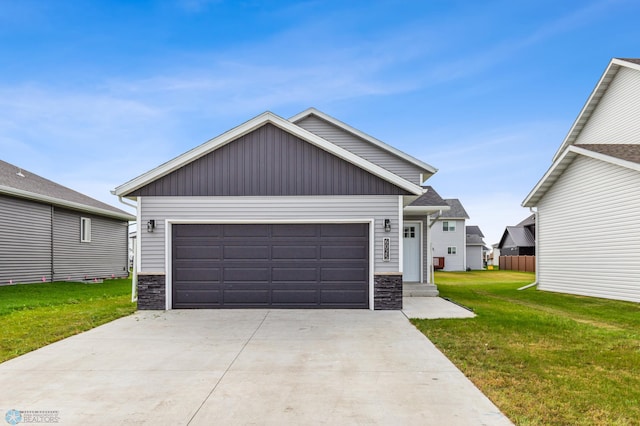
(518, 263)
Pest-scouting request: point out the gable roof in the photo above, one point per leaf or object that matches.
(474, 230)
(628, 152)
(248, 126)
(430, 201)
(20, 183)
(567, 157)
(594, 99)
(370, 139)
(530, 220)
(456, 211)
(474, 236)
(520, 236)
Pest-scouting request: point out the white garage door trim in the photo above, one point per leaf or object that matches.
(168, 245)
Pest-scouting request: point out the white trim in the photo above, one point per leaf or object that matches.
(85, 229)
(400, 235)
(139, 233)
(168, 243)
(366, 137)
(425, 209)
(254, 123)
(593, 101)
(63, 203)
(559, 166)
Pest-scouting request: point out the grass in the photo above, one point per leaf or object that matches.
(543, 358)
(35, 315)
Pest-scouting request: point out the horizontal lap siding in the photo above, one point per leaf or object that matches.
(362, 148)
(589, 232)
(25, 241)
(265, 209)
(104, 256)
(615, 120)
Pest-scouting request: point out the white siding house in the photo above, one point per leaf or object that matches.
(449, 236)
(588, 203)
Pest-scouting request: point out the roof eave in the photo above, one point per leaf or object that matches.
(313, 111)
(64, 203)
(250, 125)
(424, 209)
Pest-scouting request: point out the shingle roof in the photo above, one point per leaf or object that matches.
(629, 152)
(632, 60)
(429, 198)
(521, 237)
(21, 183)
(457, 211)
(474, 230)
(531, 220)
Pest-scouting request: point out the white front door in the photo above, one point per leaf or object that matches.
(411, 252)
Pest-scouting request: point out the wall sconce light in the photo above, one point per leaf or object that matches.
(387, 225)
(151, 224)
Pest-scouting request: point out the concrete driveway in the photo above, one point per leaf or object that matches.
(206, 367)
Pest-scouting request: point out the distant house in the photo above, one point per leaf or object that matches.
(449, 236)
(52, 233)
(588, 202)
(475, 247)
(519, 240)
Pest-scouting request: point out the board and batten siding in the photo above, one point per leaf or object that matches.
(105, 255)
(25, 241)
(615, 120)
(265, 209)
(589, 232)
(364, 149)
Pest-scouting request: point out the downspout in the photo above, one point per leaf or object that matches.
(535, 283)
(52, 231)
(430, 223)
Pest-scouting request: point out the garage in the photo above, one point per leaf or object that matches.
(317, 265)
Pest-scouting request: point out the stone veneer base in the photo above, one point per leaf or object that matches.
(387, 291)
(151, 292)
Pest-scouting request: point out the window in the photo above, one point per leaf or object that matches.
(409, 231)
(448, 226)
(85, 230)
(452, 250)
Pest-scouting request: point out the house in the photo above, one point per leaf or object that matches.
(449, 236)
(52, 233)
(475, 248)
(519, 240)
(307, 212)
(588, 203)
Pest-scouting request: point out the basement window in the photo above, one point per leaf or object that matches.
(85, 230)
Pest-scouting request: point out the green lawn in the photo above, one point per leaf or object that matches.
(35, 315)
(543, 358)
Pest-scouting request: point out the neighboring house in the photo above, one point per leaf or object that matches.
(588, 202)
(449, 236)
(475, 247)
(519, 240)
(52, 233)
(494, 256)
(301, 213)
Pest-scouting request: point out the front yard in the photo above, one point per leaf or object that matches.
(35, 315)
(543, 358)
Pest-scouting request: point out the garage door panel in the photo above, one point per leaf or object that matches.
(357, 274)
(294, 252)
(343, 252)
(294, 274)
(247, 274)
(246, 252)
(283, 265)
(246, 296)
(188, 230)
(197, 274)
(198, 252)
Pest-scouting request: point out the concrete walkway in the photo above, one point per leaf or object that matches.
(275, 367)
(433, 308)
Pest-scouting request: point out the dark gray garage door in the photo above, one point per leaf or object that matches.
(269, 265)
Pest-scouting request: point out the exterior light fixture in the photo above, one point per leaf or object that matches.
(151, 224)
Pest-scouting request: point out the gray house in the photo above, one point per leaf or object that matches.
(519, 240)
(475, 247)
(301, 213)
(51, 233)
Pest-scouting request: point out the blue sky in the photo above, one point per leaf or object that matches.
(92, 94)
